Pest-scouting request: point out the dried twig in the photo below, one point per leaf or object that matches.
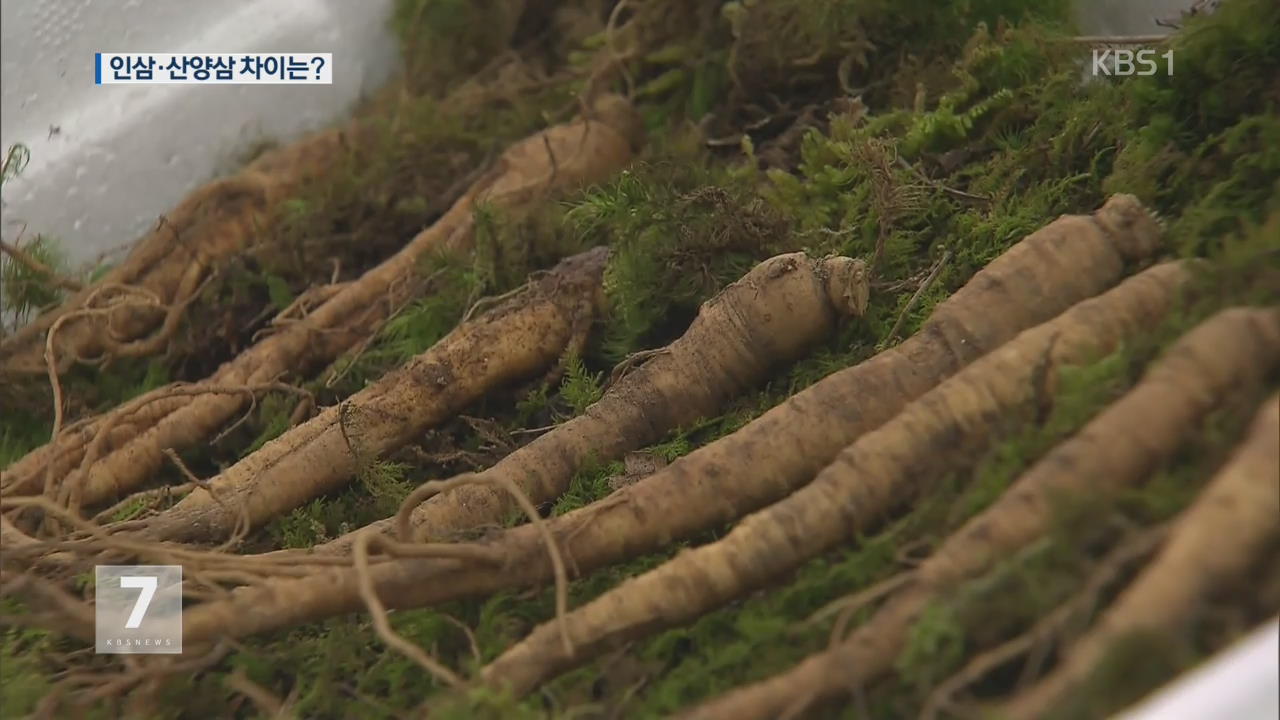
(404, 531)
(845, 607)
(945, 188)
(382, 625)
(915, 298)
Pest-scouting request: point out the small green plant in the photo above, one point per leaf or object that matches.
(302, 527)
(580, 388)
(534, 404)
(15, 161)
(26, 289)
(588, 485)
(23, 288)
(387, 484)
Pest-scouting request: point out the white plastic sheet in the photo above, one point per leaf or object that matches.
(107, 160)
(1241, 683)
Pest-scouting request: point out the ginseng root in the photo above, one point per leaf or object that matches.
(564, 156)
(1214, 543)
(133, 309)
(523, 336)
(769, 317)
(1070, 260)
(866, 482)
(1120, 447)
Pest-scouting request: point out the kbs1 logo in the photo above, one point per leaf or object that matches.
(1123, 63)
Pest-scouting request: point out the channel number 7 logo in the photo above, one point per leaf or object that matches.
(138, 609)
(146, 583)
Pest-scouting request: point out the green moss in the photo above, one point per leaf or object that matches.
(680, 230)
(130, 510)
(445, 41)
(798, 43)
(27, 291)
(28, 418)
(592, 482)
(1202, 145)
(1135, 665)
(24, 678)
(124, 380)
(533, 407)
(302, 527)
(19, 434)
(588, 485)
(380, 488)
